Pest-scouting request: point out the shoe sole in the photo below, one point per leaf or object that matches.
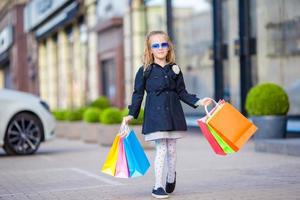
(160, 196)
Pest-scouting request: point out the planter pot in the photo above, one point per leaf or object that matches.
(90, 131)
(108, 133)
(70, 130)
(61, 129)
(73, 130)
(270, 126)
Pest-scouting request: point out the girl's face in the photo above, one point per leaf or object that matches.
(159, 46)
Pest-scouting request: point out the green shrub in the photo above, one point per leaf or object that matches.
(73, 115)
(111, 116)
(101, 102)
(59, 114)
(267, 99)
(137, 121)
(82, 110)
(91, 115)
(125, 112)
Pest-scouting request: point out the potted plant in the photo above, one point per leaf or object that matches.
(110, 120)
(268, 105)
(91, 126)
(61, 124)
(74, 118)
(101, 102)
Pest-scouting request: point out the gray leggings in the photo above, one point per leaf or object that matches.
(164, 147)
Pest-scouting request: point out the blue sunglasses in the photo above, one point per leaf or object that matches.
(163, 45)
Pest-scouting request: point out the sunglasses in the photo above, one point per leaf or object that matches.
(163, 45)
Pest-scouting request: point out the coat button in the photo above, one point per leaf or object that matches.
(166, 76)
(167, 108)
(167, 92)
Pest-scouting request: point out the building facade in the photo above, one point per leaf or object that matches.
(17, 70)
(273, 51)
(110, 51)
(66, 50)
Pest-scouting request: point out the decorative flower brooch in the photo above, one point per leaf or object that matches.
(176, 69)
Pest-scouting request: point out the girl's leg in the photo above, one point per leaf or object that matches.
(161, 151)
(171, 157)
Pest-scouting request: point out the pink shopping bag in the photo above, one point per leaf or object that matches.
(207, 134)
(122, 167)
(209, 137)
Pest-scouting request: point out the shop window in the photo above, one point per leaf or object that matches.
(108, 73)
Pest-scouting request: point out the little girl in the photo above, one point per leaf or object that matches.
(163, 81)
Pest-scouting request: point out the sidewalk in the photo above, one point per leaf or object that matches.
(70, 170)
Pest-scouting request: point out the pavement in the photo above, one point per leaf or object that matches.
(70, 170)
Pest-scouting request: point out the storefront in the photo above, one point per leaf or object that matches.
(226, 47)
(15, 72)
(66, 70)
(111, 60)
(110, 51)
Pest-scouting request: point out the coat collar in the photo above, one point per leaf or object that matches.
(164, 67)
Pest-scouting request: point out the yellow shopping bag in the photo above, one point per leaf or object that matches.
(109, 167)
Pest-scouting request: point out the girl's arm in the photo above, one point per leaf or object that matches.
(138, 94)
(190, 99)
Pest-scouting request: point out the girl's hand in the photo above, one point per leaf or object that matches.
(205, 101)
(127, 119)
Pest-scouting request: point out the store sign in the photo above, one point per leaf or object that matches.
(38, 11)
(110, 8)
(66, 14)
(6, 38)
(283, 38)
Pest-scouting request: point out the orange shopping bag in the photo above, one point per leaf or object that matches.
(231, 126)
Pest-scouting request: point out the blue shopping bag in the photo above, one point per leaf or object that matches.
(137, 161)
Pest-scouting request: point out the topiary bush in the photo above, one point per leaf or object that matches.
(101, 102)
(267, 99)
(91, 115)
(60, 114)
(73, 115)
(137, 121)
(81, 110)
(111, 116)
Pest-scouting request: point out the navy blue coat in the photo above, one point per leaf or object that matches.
(165, 89)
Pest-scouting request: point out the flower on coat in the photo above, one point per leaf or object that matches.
(176, 69)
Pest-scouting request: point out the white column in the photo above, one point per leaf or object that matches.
(92, 49)
(63, 53)
(51, 61)
(134, 36)
(77, 72)
(43, 72)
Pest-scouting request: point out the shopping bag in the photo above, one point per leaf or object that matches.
(209, 137)
(215, 141)
(137, 161)
(231, 126)
(109, 166)
(224, 146)
(121, 167)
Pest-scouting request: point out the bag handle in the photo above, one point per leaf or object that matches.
(124, 129)
(205, 107)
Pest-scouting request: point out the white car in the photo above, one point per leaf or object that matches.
(25, 122)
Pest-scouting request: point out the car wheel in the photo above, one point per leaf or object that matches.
(23, 135)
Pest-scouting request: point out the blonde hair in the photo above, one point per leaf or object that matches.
(148, 58)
